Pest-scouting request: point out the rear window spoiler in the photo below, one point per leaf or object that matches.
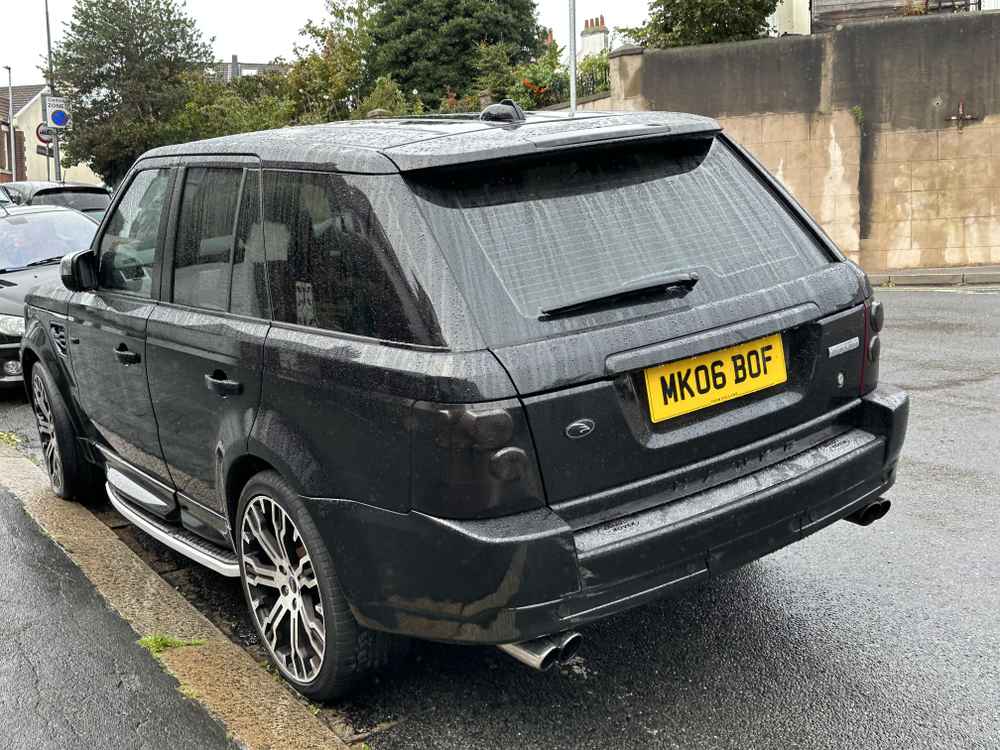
(506, 142)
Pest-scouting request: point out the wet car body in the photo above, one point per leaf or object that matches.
(477, 473)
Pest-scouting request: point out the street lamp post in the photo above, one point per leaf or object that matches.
(10, 121)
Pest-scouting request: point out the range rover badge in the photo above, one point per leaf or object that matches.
(579, 429)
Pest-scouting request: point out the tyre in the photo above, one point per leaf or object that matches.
(295, 601)
(71, 475)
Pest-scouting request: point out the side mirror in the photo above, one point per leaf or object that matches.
(79, 271)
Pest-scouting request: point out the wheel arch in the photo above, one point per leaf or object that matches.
(241, 471)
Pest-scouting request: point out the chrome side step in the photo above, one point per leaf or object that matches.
(203, 552)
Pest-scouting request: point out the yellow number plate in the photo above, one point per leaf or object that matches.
(699, 382)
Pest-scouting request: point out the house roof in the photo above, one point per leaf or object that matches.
(22, 95)
(393, 145)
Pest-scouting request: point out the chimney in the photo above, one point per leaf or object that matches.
(602, 21)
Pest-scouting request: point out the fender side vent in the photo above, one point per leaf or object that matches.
(58, 334)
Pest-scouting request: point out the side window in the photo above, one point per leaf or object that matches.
(204, 242)
(128, 246)
(248, 295)
(329, 262)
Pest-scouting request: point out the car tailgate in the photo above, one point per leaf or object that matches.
(587, 403)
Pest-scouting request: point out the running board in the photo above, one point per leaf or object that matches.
(192, 546)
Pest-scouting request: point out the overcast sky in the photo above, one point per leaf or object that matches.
(256, 30)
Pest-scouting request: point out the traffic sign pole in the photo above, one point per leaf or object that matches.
(55, 156)
(52, 90)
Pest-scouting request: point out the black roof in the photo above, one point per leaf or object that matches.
(391, 145)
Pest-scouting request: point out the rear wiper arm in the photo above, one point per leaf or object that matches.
(639, 288)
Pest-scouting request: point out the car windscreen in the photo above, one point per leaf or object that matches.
(26, 238)
(81, 200)
(533, 233)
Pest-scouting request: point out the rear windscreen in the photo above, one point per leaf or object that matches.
(529, 234)
(81, 200)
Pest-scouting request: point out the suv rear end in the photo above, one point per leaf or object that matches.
(653, 437)
(476, 381)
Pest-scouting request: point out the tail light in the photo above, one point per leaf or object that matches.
(874, 320)
(473, 460)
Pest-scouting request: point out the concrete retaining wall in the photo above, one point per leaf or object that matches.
(856, 123)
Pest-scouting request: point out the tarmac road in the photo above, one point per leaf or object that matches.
(878, 637)
(71, 672)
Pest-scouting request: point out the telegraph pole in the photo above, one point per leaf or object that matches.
(52, 91)
(572, 57)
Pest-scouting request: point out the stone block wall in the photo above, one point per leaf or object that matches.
(859, 125)
(935, 197)
(817, 158)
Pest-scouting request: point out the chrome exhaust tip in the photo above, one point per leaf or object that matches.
(540, 654)
(544, 653)
(569, 645)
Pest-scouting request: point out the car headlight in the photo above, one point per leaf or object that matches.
(12, 325)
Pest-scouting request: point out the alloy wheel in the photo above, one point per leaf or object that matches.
(282, 589)
(47, 432)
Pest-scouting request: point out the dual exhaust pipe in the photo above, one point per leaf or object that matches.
(870, 513)
(544, 653)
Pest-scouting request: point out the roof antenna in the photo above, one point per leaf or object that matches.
(506, 111)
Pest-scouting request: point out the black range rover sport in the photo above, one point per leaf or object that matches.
(470, 380)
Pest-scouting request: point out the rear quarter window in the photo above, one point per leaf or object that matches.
(330, 264)
(530, 233)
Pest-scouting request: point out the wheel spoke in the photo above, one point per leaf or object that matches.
(260, 574)
(314, 628)
(268, 543)
(298, 662)
(271, 622)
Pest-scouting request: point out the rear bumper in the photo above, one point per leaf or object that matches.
(522, 576)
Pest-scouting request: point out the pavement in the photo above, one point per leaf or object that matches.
(953, 276)
(71, 672)
(877, 637)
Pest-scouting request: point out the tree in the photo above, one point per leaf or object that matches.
(494, 72)
(123, 65)
(542, 82)
(214, 108)
(331, 73)
(389, 99)
(678, 23)
(430, 45)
